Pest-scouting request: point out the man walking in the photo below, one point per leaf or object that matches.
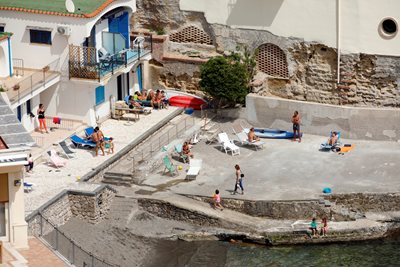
(239, 179)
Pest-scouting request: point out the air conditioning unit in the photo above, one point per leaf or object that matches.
(64, 30)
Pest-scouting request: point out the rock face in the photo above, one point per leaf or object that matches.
(364, 80)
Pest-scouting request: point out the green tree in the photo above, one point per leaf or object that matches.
(225, 79)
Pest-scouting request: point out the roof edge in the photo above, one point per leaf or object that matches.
(55, 13)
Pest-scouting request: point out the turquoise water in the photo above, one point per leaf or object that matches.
(179, 253)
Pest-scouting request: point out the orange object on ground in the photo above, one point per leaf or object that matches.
(346, 148)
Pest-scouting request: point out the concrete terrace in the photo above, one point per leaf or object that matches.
(50, 181)
(286, 170)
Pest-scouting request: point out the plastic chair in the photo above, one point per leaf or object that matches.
(169, 166)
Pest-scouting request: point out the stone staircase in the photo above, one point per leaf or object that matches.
(120, 179)
(122, 209)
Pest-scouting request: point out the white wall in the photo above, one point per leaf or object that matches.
(16, 22)
(312, 20)
(30, 123)
(4, 59)
(18, 228)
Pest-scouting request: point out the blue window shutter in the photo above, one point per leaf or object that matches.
(100, 95)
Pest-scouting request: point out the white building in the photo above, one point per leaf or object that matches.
(14, 146)
(72, 62)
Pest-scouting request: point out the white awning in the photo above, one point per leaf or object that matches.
(13, 160)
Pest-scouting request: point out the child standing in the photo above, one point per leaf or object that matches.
(324, 226)
(217, 200)
(109, 145)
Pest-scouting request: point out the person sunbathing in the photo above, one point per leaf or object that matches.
(252, 136)
(333, 139)
(186, 150)
(156, 101)
(133, 103)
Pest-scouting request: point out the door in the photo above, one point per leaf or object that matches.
(120, 25)
(120, 92)
(19, 113)
(3, 205)
(140, 77)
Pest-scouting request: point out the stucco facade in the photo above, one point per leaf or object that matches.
(67, 98)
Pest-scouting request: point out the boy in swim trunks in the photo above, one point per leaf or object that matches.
(296, 125)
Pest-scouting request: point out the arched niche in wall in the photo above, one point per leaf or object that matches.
(272, 61)
(191, 34)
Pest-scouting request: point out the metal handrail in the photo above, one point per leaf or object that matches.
(42, 75)
(91, 255)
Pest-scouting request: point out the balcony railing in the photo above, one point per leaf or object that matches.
(83, 61)
(18, 89)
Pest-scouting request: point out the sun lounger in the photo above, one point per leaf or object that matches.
(194, 168)
(66, 150)
(55, 160)
(227, 144)
(243, 139)
(327, 147)
(169, 166)
(79, 142)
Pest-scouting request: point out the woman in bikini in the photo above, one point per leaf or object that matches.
(42, 119)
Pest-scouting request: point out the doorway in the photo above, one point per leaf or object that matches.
(4, 198)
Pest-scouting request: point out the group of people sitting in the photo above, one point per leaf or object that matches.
(157, 99)
(102, 142)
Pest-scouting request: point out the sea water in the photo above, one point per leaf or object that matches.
(213, 253)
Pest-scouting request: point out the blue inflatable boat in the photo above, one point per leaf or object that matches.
(272, 133)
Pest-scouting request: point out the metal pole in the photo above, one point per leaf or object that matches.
(41, 224)
(73, 252)
(56, 238)
(92, 261)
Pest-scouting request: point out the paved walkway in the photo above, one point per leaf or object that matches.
(50, 181)
(286, 170)
(38, 255)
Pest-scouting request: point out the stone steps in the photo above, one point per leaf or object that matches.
(118, 179)
(122, 209)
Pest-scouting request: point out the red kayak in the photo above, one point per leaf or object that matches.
(184, 101)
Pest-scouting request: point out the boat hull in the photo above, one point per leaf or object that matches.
(187, 102)
(272, 133)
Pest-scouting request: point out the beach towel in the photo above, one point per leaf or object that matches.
(346, 148)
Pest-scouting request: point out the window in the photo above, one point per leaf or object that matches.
(389, 26)
(40, 37)
(100, 95)
(1, 28)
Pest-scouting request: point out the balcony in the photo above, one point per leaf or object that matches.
(25, 83)
(85, 62)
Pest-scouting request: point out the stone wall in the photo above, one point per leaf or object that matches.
(166, 210)
(365, 80)
(284, 210)
(88, 206)
(320, 119)
(368, 202)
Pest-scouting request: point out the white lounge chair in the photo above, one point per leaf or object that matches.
(194, 168)
(227, 144)
(243, 139)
